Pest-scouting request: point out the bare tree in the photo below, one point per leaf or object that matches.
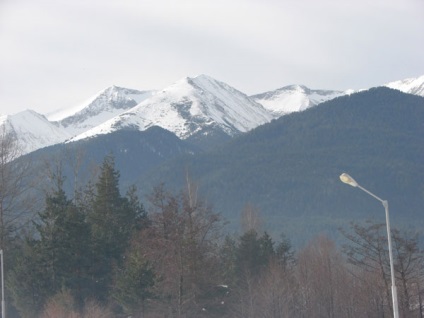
(368, 252)
(15, 200)
(323, 281)
(180, 244)
(277, 292)
(73, 163)
(410, 269)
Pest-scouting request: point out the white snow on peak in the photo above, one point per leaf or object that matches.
(188, 106)
(32, 130)
(295, 98)
(410, 85)
(98, 109)
(191, 105)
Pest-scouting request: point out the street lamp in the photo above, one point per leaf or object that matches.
(344, 177)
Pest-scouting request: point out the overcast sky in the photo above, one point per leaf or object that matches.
(58, 53)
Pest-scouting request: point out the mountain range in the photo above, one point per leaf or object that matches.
(201, 109)
(283, 159)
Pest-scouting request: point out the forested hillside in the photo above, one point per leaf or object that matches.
(135, 152)
(289, 169)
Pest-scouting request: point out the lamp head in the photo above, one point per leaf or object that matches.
(345, 178)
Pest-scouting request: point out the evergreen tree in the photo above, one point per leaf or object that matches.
(28, 282)
(52, 231)
(57, 259)
(113, 220)
(284, 253)
(142, 220)
(248, 254)
(267, 252)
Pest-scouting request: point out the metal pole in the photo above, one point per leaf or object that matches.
(392, 271)
(389, 239)
(3, 303)
(344, 177)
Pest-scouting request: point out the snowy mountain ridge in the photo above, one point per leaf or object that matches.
(33, 130)
(410, 85)
(100, 108)
(191, 106)
(294, 98)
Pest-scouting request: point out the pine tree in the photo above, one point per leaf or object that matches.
(249, 254)
(113, 220)
(267, 252)
(285, 253)
(141, 217)
(64, 244)
(51, 229)
(28, 282)
(56, 257)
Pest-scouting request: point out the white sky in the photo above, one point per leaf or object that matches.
(57, 53)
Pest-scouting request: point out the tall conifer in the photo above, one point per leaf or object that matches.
(113, 219)
(57, 258)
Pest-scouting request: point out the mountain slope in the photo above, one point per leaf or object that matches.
(294, 98)
(289, 168)
(32, 130)
(191, 106)
(100, 108)
(135, 153)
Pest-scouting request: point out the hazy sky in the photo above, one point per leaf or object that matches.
(57, 53)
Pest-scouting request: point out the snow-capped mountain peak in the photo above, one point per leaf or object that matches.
(294, 98)
(33, 130)
(103, 106)
(410, 85)
(190, 106)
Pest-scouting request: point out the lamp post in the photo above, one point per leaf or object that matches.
(344, 177)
